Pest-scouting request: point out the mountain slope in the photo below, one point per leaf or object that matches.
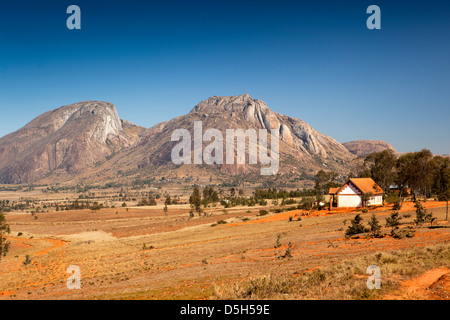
(87, 143)
(362, 148)
(303, 150)
(64, 140)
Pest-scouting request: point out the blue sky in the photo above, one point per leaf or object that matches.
(313, 60)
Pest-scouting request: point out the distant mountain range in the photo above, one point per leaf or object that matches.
(362, 148)
(87, 142)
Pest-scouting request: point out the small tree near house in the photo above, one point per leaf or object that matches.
(375, 227)
(393, 221)
(420, 213)
(356, 226)
(366, 198)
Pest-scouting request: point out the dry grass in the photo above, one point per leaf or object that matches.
(187, 258)
(342, 281)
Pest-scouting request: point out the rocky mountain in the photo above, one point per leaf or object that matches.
(65, 140)
(303, 150)
(87, 142)
(362, 148)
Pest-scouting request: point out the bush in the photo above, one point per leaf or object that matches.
(356, 227)
(263, 212)
(27, 260)
(407, 232)
(393, 221)
(375, 227)
(396, 206)
(420, 213)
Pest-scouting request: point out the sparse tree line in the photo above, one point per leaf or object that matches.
(423, 174)
(235, 197)
(373, 228)
(8, 206)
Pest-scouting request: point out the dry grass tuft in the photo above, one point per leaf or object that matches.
(343, 281)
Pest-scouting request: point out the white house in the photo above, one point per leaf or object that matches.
(354, 191)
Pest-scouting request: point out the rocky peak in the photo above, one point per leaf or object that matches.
(104, 113)
(218, 104)
(363, 148)
(67, 139)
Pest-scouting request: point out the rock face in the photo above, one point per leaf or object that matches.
(302, 149)
(362, 148)
(66, 140)
(87, 142)
(243, 110)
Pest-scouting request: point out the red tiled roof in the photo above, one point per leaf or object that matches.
(367, 185)
(333, 190)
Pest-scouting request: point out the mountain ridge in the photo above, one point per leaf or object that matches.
(88, 141)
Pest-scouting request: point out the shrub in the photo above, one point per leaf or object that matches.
(263, 212)
(27, 260)
(407, 232)
(278, 244)
(420, 213)
(429, 218)
(375, 227)
(356, 227)
(287, 253)
(396, 206)
(393, 221)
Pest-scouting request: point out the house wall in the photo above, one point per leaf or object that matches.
(349, 196)
(375, 200)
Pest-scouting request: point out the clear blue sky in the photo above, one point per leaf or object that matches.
(313, 60)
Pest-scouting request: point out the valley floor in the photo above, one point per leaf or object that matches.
(144, 253)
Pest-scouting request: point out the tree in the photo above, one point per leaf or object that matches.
(355, 227)
(430, 218)
(168, 201)
(382, 168)
(414, 170)
(195, 200)
(151, 200)
(210, 196)
(4, 243)
(441, 181)
(374, 225)
(323, 182)
(393, 221)
(420, 213)
(366, 198)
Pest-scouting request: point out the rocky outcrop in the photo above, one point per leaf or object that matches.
(302, 149)
(67, 139)
(362, 148)
(89, 142)
(294, 132)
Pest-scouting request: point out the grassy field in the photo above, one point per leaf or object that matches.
(145, 253)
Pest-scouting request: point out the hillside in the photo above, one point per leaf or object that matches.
(362, 148)
(87, 142)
